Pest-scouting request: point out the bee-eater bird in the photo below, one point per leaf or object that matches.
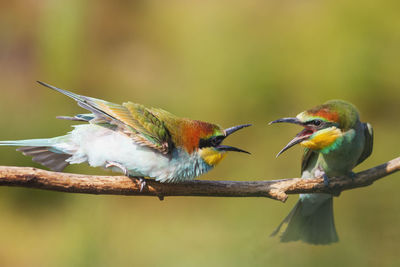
(130, 138)
(334, 141)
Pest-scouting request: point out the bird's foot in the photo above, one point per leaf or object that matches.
(142, 182)
(335, 191)
(352, 176)
(326, 179)
(321, 174)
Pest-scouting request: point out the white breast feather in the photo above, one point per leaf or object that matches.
(98, 145)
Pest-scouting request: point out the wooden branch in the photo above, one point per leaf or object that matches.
(122, 185)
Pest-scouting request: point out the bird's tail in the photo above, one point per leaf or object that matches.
(43, 151)
(311, 221)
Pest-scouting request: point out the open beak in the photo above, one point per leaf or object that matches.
(231, 148)
(230, 131)
(300, 137)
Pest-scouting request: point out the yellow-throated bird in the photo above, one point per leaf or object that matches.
(335, 141)
(139, 141)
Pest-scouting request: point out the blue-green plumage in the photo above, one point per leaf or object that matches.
(333, 147)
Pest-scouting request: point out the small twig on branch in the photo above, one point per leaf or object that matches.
(122, 185)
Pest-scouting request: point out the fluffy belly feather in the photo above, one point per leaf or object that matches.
(98, 146)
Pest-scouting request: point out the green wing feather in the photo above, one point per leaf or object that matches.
(134, 120)
(149, 125)
(369, 142)
(308, 156)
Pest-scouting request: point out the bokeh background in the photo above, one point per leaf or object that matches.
(228, 62)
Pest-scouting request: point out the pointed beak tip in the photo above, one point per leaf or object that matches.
(276, 121)
(280, 152)
(244, 151)
(233, 129)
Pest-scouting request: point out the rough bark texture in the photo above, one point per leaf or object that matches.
(121, 185)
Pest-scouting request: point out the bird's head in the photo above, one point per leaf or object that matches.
(324, 126)
(206, 139)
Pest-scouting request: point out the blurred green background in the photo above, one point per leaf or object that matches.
(228, 62)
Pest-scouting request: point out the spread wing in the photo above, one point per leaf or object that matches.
(134, 120)
(369, 142)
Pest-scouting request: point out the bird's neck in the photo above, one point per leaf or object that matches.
(186, 166)
(211, 156)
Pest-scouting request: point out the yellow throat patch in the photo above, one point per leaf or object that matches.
(211, 156)
(322, 139)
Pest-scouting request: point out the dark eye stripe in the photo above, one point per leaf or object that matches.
(211, 142)
(204, 143)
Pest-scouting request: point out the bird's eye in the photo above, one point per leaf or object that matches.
(316, 122)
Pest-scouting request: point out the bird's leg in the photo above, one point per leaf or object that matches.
(320, 173)
(118, 165)
(141, 180)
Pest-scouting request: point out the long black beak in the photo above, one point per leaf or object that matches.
(300, 137)
(231, 148)
(288, 120)
(297, 139)
(230, 131)
(233, 129)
